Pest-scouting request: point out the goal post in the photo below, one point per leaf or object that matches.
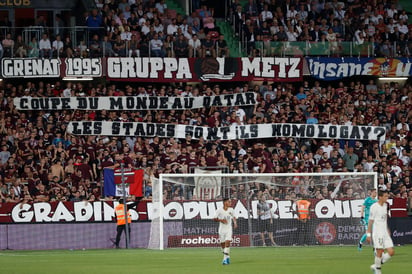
(183, 207)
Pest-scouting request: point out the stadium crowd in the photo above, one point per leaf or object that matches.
(40, 161)
(382, 24)
(149, 28)
(142, 29)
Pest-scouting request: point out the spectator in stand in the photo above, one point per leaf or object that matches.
(20, 47)
(60, 26)
(95, 47)
(133, 46)
(156, 46)
(82, 50)
(222, 47)
(181, 47)
(45, 48)
(146, 27)
(94, 22)
(107, 47)
(8, 46)
(311, 119)
(195, 47)
(250, 9)
(57, 47)
(68, 47)
(266, 15)
(194, 17)
(161, 7)
(205, 12)
(172, 28)
(119, 47)
(208, 47)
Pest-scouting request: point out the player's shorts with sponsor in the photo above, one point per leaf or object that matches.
(382, 240)
(225, 236)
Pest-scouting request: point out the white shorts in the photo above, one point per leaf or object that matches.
(225, 236)
(382, 241)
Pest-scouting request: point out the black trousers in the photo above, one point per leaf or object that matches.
(304, 237)
(120, 229)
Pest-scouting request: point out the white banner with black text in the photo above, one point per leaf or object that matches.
(233, 132)
(134, 102)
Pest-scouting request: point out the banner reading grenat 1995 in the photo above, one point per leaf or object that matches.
(204, 69)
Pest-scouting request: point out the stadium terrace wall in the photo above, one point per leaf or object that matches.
(184, 234)
(145, 69)
(92, 225)
(148, 69)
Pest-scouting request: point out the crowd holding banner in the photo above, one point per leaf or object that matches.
(279, 127)
(148, 69)
(209, 69)
(233, 132)
(133, 103)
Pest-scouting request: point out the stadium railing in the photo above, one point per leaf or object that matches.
(258, 49)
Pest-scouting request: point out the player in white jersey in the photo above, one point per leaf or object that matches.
(225, 216)
(378, 229)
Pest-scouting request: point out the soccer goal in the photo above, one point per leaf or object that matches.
(265, 205)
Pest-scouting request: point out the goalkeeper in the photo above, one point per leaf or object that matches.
(225, 216)
(365, 209)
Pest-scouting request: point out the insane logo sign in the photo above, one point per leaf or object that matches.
(337, 68)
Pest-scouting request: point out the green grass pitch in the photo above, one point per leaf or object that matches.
(302, 260)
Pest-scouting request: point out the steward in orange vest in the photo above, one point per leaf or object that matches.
(304, 230)
(302, 207)
(121, 218)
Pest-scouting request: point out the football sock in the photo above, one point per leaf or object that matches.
(362, 240)
(378, 262)
(385, 257)
(226, 252)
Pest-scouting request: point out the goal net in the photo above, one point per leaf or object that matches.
(268, 208)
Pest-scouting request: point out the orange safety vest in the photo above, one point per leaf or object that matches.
(303, 209)
(121, 220)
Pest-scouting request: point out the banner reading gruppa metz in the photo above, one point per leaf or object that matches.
(204, 69)
(134, 102)
(226, 133)
(338, 68)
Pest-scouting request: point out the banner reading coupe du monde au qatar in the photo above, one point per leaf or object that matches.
(233, 132)
(147, 69)
(134, 102)
(338, 68)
